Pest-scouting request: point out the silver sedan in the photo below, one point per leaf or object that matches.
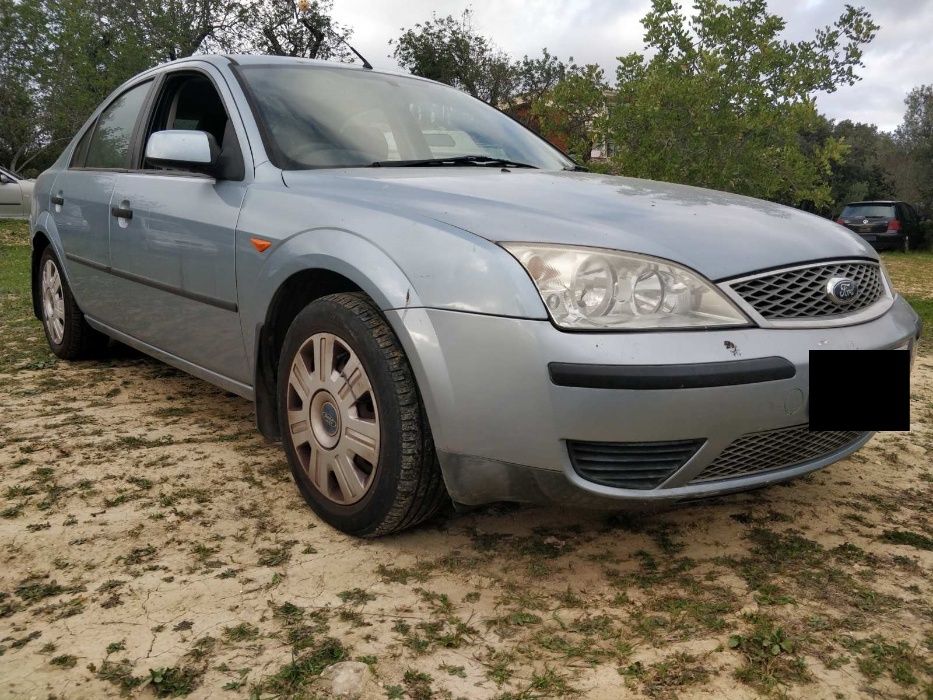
(427, 302)
(15, 195)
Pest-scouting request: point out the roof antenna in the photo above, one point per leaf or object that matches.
(366, 64)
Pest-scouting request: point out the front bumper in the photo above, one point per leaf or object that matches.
(501, 424)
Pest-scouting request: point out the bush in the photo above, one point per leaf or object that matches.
(924, 237)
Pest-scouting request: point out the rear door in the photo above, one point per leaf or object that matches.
(80, 199)
(173, 236)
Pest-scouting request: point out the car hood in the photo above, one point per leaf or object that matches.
(718, 234)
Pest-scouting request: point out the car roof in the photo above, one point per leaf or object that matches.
(266, 60)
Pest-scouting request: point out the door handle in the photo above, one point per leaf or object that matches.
(121, 212)
(57, 200)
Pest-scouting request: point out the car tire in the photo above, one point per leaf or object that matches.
(353, 425)
(66, 330)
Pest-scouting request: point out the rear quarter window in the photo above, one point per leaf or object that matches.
(77, 158)
(868, 210)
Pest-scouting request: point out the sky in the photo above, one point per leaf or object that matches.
(596, 31)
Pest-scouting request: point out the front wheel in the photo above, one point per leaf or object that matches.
(353, 426)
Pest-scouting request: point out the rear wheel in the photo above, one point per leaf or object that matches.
(354, 429)
(68, 333)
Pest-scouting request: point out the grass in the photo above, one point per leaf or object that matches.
(912, 539)
(896, 660)
(22, 344)
(174, 682)
(912, 274)
(292, 679)
(770, 655)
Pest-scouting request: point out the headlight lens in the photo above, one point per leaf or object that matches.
(593, 288)
(887, 279)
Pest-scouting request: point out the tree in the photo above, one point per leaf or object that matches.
(302, 28)
(913, 162)
(862, 174)
(60, 58)
(724, 102)
(449, 50)
(576, 108)
(536, 77)
(174, 29)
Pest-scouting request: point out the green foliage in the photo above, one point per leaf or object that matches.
(576, 108)
(173, 682)
(64, 661)
(770, 656)
(290, 28)
(449, 50)
(862, 173)
(906, 537)
(292, 679)
(895, 659)
(60, 58)
(726, 103)
(915, 140)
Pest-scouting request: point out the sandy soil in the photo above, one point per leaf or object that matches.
(154, 544)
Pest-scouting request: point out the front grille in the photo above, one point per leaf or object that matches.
(776, 449)
(630, 465)
(801, 292)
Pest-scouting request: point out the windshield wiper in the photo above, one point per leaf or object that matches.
(481, 161)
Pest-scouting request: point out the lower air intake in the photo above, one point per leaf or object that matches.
(630, 465)
(776, 449)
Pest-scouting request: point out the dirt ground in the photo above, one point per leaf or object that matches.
(154, 544)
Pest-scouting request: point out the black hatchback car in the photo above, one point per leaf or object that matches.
(886, 225)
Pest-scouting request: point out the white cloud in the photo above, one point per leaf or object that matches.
(599, 30)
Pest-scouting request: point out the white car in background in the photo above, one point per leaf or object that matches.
(15, 195)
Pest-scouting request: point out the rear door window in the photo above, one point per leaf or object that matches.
(868, 211)
(109, 147)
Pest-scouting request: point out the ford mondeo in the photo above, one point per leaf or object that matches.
(428, 302)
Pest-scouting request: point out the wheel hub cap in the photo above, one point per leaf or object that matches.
(329, 417)
(324, 418)
(53, 301)
(333, 420)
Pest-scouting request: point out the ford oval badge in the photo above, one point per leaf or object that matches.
(841, 290)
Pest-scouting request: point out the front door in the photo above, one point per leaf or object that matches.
(173, 238)
(173, 267)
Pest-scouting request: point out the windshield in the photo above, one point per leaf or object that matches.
(868, 210)
(319, 117)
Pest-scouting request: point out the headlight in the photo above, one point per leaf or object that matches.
(594, 288)
(887, 279)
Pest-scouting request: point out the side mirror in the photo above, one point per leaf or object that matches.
(4, 180)
(184, 150)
